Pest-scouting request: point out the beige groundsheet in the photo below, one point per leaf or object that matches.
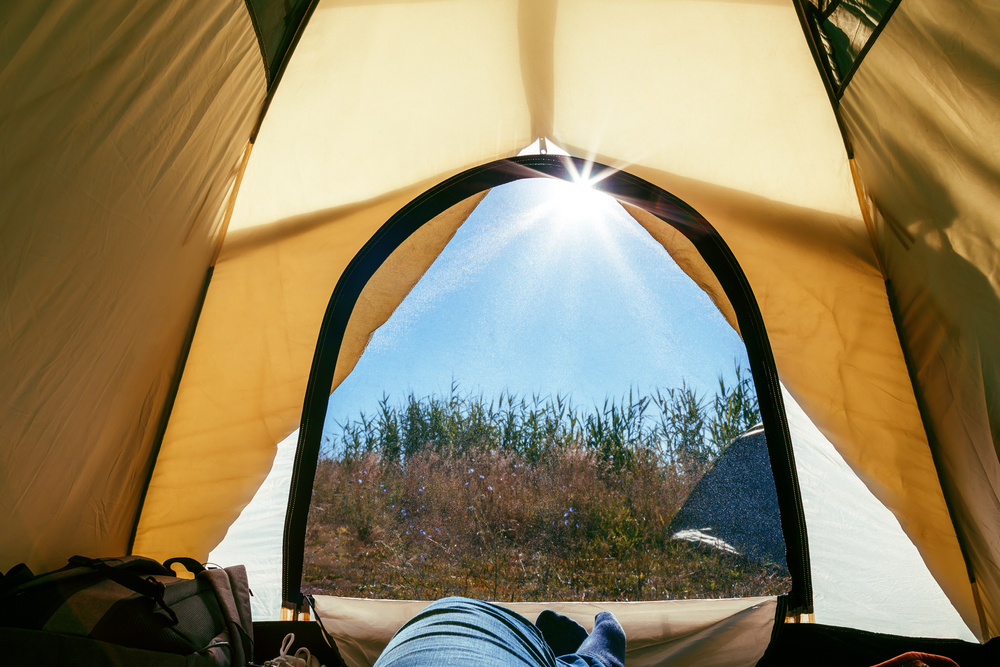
(682, 633)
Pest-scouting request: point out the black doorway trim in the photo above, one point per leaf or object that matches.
(624, 187)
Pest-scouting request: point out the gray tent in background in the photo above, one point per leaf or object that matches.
(734, 507)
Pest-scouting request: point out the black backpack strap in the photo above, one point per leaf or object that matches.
(148, 587)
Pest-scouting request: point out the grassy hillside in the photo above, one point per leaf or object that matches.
(526, 500)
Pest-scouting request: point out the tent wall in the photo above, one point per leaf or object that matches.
(717, 102)
(123, 125)
(921, 114)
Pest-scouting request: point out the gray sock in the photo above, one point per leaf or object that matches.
(606, 641)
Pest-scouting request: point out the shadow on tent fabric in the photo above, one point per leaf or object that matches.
(947, 310)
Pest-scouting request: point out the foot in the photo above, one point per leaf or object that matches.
(606, 641)
(562, 634)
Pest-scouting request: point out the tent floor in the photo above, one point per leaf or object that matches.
(829, 646)
(794, 646)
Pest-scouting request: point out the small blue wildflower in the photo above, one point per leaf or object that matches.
(471, 470)
(481, 477)
(565, 523)
(490, 488)
(359, 481)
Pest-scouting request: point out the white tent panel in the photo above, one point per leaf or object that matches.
(866, 573)
(255, 537)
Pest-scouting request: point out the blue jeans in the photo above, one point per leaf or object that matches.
(461, 632)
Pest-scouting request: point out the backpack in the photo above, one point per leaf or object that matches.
(125, 611)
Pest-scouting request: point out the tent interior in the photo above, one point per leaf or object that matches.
(212, 211)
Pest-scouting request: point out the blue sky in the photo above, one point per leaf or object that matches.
(547, 288)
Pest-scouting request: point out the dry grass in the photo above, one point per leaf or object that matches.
(565, 524)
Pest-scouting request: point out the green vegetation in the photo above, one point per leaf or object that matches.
(519, 499)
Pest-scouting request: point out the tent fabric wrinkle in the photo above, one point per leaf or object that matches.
(122, 128)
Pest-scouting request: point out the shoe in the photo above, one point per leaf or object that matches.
(301, 658)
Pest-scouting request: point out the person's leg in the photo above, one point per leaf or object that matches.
(459, 631)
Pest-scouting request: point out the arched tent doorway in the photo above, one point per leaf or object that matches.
(669, 220)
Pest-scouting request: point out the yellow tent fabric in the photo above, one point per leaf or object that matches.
(922, 116)
(123, 129)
